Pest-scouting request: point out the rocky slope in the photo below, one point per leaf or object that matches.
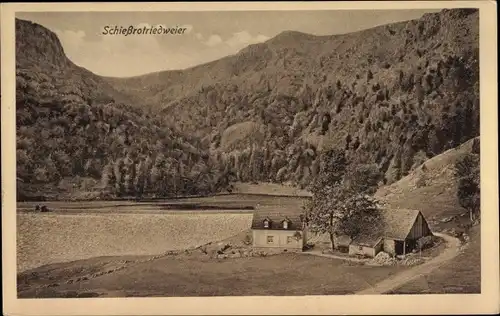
(395, 95)
(75, 132)
(432, 187)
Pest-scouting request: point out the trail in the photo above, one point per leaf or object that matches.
(391, 283)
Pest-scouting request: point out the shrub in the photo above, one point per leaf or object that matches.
(426, 242)
(343, 249)
(421, 182)
(369, 75)
(248, 240)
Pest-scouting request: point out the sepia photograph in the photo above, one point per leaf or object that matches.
(249, 153)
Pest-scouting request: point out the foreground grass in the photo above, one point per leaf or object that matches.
(196, 275)
(461, 275)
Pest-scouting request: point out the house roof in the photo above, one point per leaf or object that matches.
(392, 223)
(277, 214)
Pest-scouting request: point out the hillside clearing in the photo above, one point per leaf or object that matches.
(430, 188)
(241, 135)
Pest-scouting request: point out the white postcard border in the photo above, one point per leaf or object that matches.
(486, 302)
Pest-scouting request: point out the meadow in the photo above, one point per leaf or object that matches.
(196, 275)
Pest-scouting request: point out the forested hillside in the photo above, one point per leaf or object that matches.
(76, 132)
(394, 95)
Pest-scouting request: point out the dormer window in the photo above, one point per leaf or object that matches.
(286, 223)
(267, 223)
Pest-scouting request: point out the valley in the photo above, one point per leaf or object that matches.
(139, 172)
(395, 95)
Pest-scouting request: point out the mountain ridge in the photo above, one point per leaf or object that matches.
(75, 132)
(231, 63)
(394, 95)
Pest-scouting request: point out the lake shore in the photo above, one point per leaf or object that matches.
(49, 238)
(238, 188)
(80, 230)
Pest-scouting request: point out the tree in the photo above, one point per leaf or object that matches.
(51, 168)
(369, 76)
(467, 172)
(364, 178)
(140, 178)
(332, 165)
(41, 175)
(158, 174)
(108, 177)
(119, 175)
(340, 204)
(129, 175)
(338, 210)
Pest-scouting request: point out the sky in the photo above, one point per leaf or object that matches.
(208, 35)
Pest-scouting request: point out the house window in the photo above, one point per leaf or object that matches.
(289, 239)
(285, 224)
(266, 223)
(270, 239)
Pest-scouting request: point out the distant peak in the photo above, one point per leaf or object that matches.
(291, 34)
(288, 38)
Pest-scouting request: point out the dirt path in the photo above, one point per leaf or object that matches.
(451, 250)
(327, 255)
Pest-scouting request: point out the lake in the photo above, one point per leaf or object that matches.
(81, 230)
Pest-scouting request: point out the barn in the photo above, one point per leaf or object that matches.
(277, 228)
(395, 232)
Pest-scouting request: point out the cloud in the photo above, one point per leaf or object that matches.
(188, 28)
(122, 56)
(118, 55)
(73, 39)
(213, 40)
(237, 41)
(244, 38)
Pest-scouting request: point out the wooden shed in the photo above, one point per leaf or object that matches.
(395, 232)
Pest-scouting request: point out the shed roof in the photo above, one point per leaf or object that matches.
(277, 214)
(392, 223)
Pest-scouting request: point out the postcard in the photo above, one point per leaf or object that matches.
(250, 158)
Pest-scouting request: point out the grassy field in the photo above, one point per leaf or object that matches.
(231, 202)
(194, 275)
(269, 189)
